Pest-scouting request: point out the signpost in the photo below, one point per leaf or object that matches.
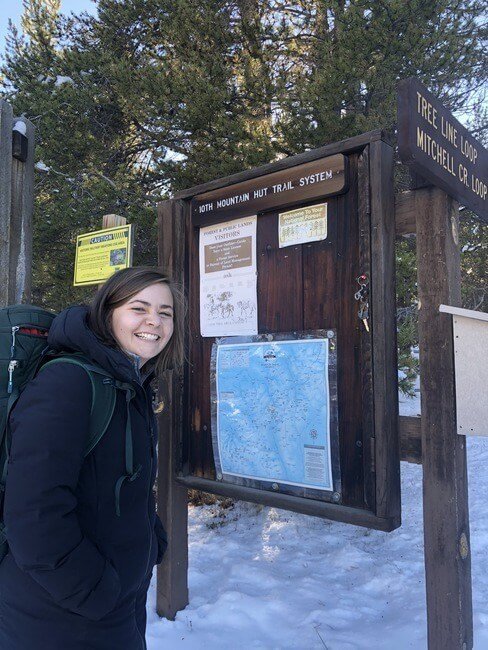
(101, 253)
(17, 142)
(439, 148)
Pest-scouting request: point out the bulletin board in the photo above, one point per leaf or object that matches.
(289, 252)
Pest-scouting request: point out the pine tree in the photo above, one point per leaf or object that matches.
(346, 59)
(39, 21)
(90, 164)
(189, 75)
(152, 96)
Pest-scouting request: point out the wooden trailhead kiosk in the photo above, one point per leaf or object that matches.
(289, 397)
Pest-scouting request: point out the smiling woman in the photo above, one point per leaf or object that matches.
(82, 531)
(144, 325)
(132, 308)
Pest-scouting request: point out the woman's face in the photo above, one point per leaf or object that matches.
(144, 324)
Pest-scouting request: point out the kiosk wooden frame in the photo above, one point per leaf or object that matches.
(370, 454)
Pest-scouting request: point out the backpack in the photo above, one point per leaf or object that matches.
(23, 354)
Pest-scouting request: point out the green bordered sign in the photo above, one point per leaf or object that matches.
(101, 253)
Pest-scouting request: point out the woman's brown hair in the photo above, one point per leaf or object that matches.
(117, 290)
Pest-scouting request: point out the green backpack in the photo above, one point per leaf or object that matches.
(23, 353)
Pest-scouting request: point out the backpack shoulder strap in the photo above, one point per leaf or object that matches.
(104, 395)
(103, 405)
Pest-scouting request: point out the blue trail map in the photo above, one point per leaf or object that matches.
(273, 412)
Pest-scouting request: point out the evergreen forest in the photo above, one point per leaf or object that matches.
(148, 97)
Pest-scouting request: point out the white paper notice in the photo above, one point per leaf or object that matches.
(228, 289)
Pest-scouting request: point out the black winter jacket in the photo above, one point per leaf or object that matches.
(76, 575)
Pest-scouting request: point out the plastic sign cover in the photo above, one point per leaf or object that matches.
(272, 412)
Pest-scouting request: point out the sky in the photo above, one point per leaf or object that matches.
(13, 9)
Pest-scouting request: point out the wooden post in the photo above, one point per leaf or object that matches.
(384, 330)
(5, 198)
(16, 207)
(172, 502)
(111, 221)
(445, 483)
(22, 206)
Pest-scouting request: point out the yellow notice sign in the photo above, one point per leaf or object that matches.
(303, 225)
(101, 253)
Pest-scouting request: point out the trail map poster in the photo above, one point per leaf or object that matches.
(228, 282)
(273, 412)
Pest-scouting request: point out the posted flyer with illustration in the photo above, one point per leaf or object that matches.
(303, 225)
(228, 280)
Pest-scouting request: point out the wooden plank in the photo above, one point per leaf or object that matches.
(349, 345)
(200, 453)
(349, 145)
(22, 206)
(410, 439)
(366, 352)
(333, 511)
(405, 223)
(172, 497)
(6, 117)
(445, 483)
(113, 220)
(320, 305)
(280, 280)
(439, 148)
(383, 328)
(282, 189)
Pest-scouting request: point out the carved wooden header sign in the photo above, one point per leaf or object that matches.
(440, 149)
(323, 177)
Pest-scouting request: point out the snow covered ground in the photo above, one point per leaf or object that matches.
(268, 579)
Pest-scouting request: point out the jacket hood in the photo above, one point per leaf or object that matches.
(70, 332)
